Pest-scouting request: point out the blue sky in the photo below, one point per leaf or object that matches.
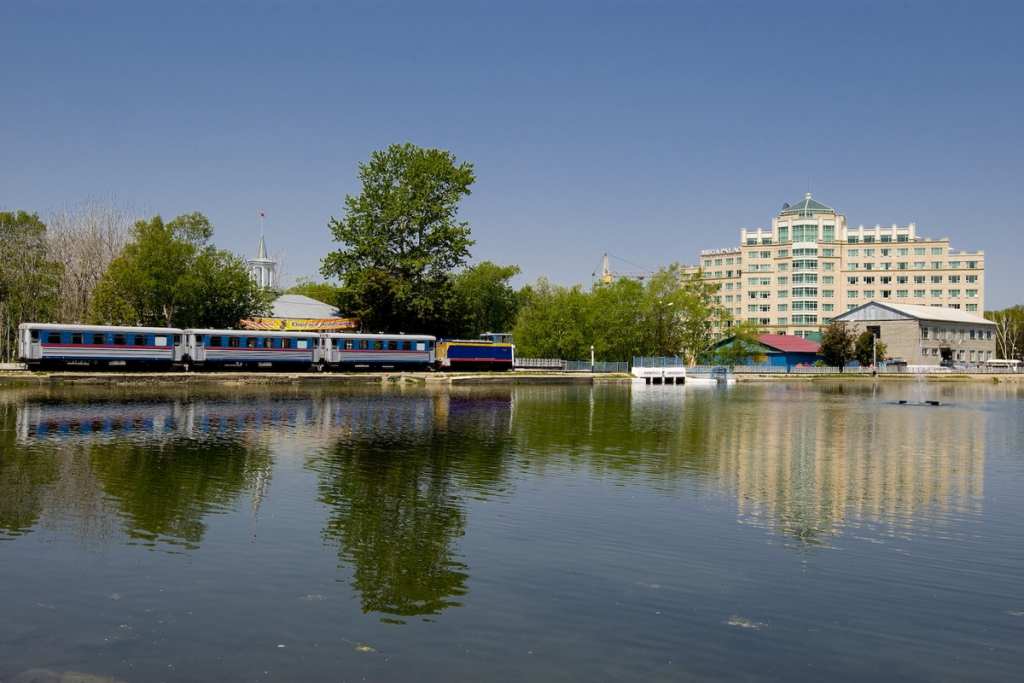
(650, 130)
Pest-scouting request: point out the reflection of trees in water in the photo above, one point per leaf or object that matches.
(395, 493)
(92, 485)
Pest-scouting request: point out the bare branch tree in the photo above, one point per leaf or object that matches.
(84, 239)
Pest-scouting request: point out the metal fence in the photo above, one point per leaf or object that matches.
(658, 362)
(557, 365)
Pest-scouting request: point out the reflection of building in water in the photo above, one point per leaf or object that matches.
(815, 468)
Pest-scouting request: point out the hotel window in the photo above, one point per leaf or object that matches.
(728, 286)
(764, 295)
(954, 264)
(886, 293)
(707, 263)
(971, 279)
(739, 261)
(853, 266)
(954, 293)
(869, 294)
(954, 279)
(828, 233)
(919, 279)
(936, 279)
(972, 307)
(752, 308)
(901, 294)
(868, 239)
(765, 308)
(828, 252)
(765, 281)
(869, 253)
(850, 307)
(783, 266)
(886, 266)
(869, 280)
(918, 251)
(828, 265)
(936, 251)
(887, 238)
(853, 252)
(828, 307)
(885, 252)
(972, 264)
(728, 298)
(869, 266)
(805, 320)
(851, 294)
(918, 265)
(936, 293)
(783, 234)
(902, 265)
(903, 237)
(851, 239)
(902, 279)
(783, 280)
(828, 279)
(753, 280)
(902, 252)
(924, 333)
(972, 294)
(918, 293)
(885, 279)
(827, 293)
(852, 280)
(955, 306)
(783, 321)
(718, 273)
(718, 261)
(782, 293)
(782, 307)
(783, 253)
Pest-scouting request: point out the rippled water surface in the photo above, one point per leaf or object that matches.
(400, 533)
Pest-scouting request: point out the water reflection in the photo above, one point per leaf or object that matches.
(395, 482)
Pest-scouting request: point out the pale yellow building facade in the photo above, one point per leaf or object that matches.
(810, 266)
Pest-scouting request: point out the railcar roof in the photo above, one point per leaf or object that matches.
(99, 328)
(361, 335)
(255, 333)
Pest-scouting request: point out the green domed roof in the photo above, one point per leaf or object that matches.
(807, 208)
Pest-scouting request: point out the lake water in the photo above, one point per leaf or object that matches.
(756, 532)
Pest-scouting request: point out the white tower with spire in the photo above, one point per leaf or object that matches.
(262, 266)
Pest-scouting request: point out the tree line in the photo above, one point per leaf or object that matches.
(102, 263)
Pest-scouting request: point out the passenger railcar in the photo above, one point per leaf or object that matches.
(43, 345)
(250, 349)
(456, 354)
(377, 351)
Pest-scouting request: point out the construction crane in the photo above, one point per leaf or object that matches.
(607, 274)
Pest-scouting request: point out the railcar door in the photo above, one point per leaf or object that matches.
(31, 349)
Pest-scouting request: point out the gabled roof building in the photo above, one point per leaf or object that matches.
(925, 335)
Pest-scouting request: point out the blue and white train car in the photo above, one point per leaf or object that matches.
(378, 351)
(249, 349)
(42, 345)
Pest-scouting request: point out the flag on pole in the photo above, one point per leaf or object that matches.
(261, 214)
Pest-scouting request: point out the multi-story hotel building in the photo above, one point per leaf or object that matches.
(810, 266)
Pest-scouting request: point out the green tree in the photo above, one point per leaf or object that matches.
(837, 344)
(324, 292)
(702, 318)
(485, 301)
(743, 347)
(28, 277)
(867, 350)
(169, 275)
(1009, 331)
(555, 322)
(402, 240)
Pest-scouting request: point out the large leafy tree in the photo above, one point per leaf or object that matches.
(837, 344)
(168, 274)
(485, 299)
(28, 277)
(401, 239)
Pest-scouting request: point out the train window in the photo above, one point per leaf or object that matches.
(421, 346)
(350, 343)
(159, 341)
(364, 344)
(250, 342)
(378, 345)
(99, 339)
(286, 343)
(35, 335)
(53, 338)
(177, 339)
(234, 342)
(393, 345)
(430, 344)
(120, 338)
(77, 338)
(141, 340)
(268, 342)
(302, 343)
(407, 346)
(215, 341)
